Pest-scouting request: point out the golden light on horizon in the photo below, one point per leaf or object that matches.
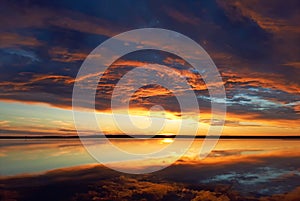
(167, 141)
(60, 121)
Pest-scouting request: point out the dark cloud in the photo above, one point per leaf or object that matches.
(254, 44)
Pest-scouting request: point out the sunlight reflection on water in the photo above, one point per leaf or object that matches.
(30, 156)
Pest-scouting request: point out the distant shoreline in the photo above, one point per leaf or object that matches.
(151, 137)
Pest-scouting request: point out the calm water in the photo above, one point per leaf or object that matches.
(36, 156)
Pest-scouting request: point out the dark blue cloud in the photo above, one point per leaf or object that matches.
(40, 38)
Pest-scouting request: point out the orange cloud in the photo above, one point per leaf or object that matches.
(15, 40)
(182, 17)
(255, 10)
(267, 80)
(36, 78)
(63, 55)
(293, 64)
(172, 60)
(53, 78)
(4, 123)
(152, 91)
(122, 62)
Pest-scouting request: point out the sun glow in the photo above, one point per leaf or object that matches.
(167, 141)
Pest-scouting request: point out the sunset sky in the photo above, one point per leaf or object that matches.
(254, 44)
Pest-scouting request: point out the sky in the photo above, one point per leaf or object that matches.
(254, 44)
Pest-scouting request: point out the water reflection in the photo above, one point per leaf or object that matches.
(31, 156)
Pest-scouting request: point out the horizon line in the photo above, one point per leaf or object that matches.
(154, 137)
